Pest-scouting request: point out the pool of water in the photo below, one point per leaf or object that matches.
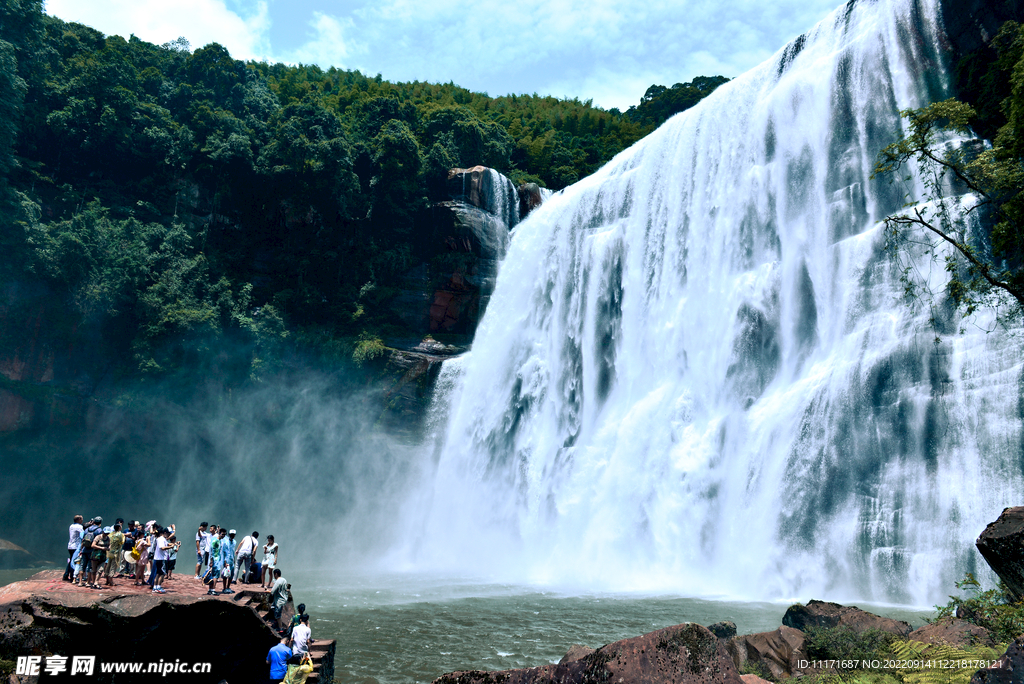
(403, 629)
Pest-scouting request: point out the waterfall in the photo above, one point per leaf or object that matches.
(698, 371)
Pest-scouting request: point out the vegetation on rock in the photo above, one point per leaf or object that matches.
(986, 262)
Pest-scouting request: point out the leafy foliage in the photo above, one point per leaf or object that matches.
(993, 609)
(843, 643)
(185, 201)
(986, 233)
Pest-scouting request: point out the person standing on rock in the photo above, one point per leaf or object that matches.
(225, 558)
(202, 548)
(114, 554)
(160, 556)
(302, 636)
(278, 660)
(269, 561)
(74, 541)
(243, 557)
(213, 573)
(278, 596)
(100, 546)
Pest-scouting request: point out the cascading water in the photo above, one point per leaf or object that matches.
(698, 371)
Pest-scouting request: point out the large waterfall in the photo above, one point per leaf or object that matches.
(699, 373)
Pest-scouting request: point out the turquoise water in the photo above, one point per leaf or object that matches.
(400, 630)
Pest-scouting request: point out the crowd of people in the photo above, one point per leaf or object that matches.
(127, 550)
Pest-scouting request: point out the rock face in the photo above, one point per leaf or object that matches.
(953, 632)
(44, 616)
(1002, 545)
(530, 198)
(1008, 670)
(683, 654)
(826, 614)
(970, 24)
(779, 651)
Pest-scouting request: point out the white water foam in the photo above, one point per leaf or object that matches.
(697, 372)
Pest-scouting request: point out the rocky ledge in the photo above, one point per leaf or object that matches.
(692, 653)
(44, 616)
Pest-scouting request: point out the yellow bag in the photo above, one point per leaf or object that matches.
(297, 674)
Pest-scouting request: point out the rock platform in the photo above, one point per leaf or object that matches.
(45, 616)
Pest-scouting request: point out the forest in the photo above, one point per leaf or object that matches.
(161, 203)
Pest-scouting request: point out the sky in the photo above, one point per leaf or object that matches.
(608, 51)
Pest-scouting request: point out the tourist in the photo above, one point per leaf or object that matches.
(142, 545)
(114, 553)
(74, 541)
(214, 571)
(269, 561)
(100, 546)
(202, 548)
(160, 556)
(243, 557)
(172, 555)
(278, 596)
(85, 555)
(297, 618)
(278, 660)
(301, 636)
(227, 559)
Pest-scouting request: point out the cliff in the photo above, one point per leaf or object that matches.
(226, 637)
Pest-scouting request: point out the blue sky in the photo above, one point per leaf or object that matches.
(606, 50)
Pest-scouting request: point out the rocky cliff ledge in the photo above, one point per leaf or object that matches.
(45, 617)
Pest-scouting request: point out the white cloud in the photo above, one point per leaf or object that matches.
(328, 46)
(160, 21)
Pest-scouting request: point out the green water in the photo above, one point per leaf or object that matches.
(403, 629)
(400, 630)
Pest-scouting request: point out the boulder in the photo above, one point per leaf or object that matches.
(1009, 669)
(1002, 546)
(779, 651)
(953, 632)
(724, 629)
(530, 198)
(827, 614)
(753, 679)
(682, 654)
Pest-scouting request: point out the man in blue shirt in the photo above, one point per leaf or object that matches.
(278, 661)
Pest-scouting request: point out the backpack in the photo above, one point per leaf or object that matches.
(87, 540)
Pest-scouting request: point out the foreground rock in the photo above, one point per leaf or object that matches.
(43, 616)
(1002, 545)
(681, 654)
(827, 614)
(1008, 670)
(779, 652)
(953, 632)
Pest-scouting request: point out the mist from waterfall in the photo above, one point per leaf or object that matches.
(698, 372)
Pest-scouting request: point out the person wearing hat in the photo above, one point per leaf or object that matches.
(100, 546)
